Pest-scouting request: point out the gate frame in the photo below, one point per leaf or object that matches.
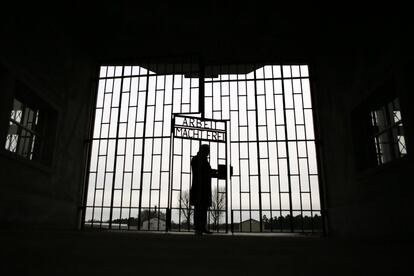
(172, 137)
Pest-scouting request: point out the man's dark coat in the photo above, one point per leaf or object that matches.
(200, 192)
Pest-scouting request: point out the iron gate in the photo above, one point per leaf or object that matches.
(138, 171)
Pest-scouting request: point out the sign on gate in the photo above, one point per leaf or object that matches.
(198, 129)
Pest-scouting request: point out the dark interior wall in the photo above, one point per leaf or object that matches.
(35, 52)
(369, 202)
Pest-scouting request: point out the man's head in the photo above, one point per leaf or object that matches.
(204, 150)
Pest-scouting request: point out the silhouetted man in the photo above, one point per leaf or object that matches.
(200, 193)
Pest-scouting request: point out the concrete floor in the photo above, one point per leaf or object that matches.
(132, 253)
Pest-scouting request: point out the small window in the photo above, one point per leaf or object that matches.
(378, 129)
(31, 126)
(23, 133)
(388, 132)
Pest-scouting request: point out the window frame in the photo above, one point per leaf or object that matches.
(364, 132)
(390, 125)
(22, 125)
(46, 128)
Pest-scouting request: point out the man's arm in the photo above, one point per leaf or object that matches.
(214, 173)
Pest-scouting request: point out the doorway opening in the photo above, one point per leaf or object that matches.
(139, 173)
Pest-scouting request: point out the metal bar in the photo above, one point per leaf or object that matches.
(170, 178)
(297, 151)
(19, 130)
(162, 147)
(201, 87)
(182, 157)
(32, 137)
(235, 80)
(99, 146)
(97, 159)
(227, 186)
(143, 150)
(125, 145)
(23, 126)
(181, 115)
(307, 155)
(152, 152)
(106, 160)
(116, 146)
(239, 149)
(133, 150)
(267, 142)
(232, 222)
(287, 154)
(277, 152)
(248, 162)
(258, 154)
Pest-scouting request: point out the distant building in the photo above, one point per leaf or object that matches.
(154, 224)
(250, 225)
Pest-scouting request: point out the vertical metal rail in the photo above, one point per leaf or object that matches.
(133, 145)
(152, 151)
(20, 128)
(248, 159)
(170, 177)
(227, 157)
(159, 94)
(182, 148)
(277, 151)
(306, 149)
(161, 150)
(218, 194)
(258, 152)
(267, 135)
(201, 88)
(124, 172)
(268, 143)
(296, 148)
(238, 144)
(287, 152)
(191, 143)
(99, 145)
(171, 165)
(227, 177)
(239, 148)
(116, 147)
(142, 139)
(143, 149)
(97, 162)
(228, 161)
(278, 158)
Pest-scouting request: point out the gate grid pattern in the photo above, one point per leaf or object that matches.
(139, 176)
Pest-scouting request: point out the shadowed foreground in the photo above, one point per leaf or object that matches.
(131, 253)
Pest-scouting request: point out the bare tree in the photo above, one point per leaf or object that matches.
(185, 206)
(218, 205)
